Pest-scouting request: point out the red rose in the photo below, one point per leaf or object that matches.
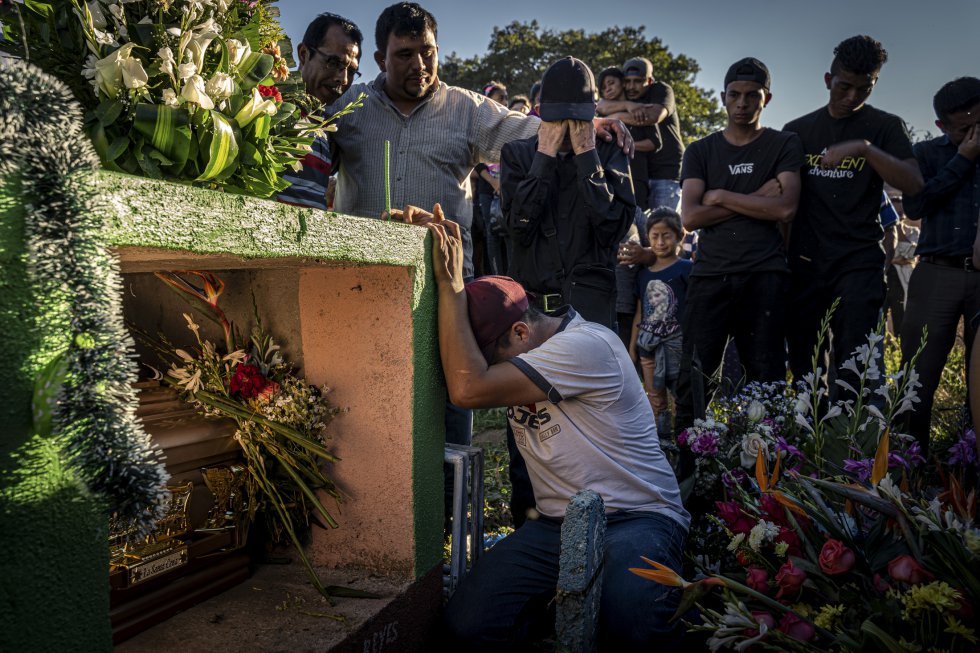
(796, 628)
(906, 569)
(247, 381)
(789, 579)
(270, 91)
(835, 558)
(742, 557)
(791, 539)
(758, 579)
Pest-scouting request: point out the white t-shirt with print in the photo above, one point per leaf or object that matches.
(596, 430)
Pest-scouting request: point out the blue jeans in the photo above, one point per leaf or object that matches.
(504, 599)
(665, 192)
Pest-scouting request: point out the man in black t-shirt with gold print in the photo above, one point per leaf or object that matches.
(740, 185)
(851, 149)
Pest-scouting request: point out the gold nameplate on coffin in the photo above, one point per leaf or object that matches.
(160, 551)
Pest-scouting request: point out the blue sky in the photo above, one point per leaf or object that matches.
(929, 43)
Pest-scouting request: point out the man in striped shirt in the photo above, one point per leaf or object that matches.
(328, 59)
(437, 133)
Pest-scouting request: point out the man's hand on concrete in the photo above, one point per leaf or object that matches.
(607, 129)
(417, 216)
(447, 253)
(970, 147)
(583, 135)
(550, 137)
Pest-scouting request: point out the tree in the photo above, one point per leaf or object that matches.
(520, 52)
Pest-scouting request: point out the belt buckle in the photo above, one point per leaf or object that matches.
(547, 299)
(968, 264)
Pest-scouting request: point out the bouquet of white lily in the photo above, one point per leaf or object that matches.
(186, 90)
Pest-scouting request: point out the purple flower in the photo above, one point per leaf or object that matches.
(783, 445)
(705, 443)
(734, 478)
(682, 438)
(964, 451)
(861, 468)
(913, 453)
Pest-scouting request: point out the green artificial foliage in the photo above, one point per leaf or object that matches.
(89, 407)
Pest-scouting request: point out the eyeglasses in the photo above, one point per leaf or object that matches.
(334, 64)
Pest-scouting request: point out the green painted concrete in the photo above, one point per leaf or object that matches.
(155, 214)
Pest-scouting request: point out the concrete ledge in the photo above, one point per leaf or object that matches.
(278, 611)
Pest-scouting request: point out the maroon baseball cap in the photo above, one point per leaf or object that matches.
(494, 304)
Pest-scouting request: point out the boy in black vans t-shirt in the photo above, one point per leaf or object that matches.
(851, 149)
(739, 186)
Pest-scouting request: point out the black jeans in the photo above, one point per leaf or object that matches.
(938, 298)
(749, 307)
(812, 292)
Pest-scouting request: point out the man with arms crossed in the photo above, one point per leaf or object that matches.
(835, 251)
(740, 185)
(582, 420)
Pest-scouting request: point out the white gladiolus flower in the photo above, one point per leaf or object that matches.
(167, 61)
(134, 76)
(194, 92)
(187, 70)
(170, 97)
(220, 87)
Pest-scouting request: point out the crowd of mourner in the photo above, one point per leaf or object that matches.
(595, 272)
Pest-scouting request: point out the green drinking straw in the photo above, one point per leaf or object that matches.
(388, 180)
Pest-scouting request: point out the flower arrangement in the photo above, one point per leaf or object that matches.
(185, 90)
(778, 420)
(280, 417)
(840, 540)
(826, 564)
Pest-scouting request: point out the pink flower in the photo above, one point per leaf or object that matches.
(758, 579)
(906, 569)
(796, 628)
(835, 558)
(789, 579)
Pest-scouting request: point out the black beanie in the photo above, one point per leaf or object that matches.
(567, 91)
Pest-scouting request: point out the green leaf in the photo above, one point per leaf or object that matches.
(46, 387)
(223, 148)
(108, 111)
(254, 69)
(119, 145)
(167, 128)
